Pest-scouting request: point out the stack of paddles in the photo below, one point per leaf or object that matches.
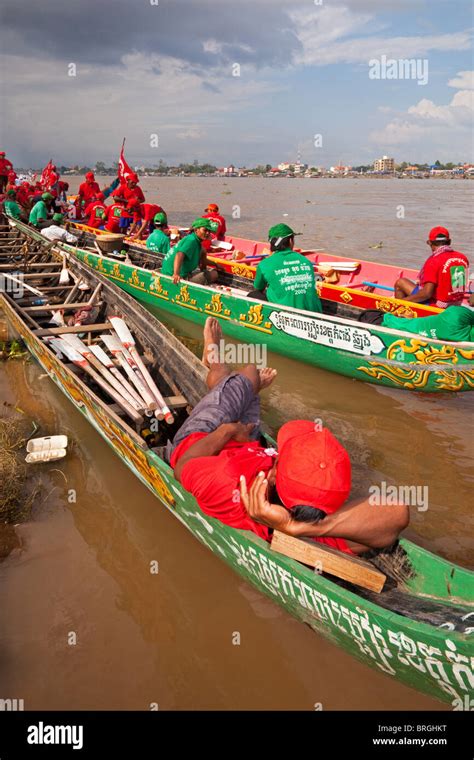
(138, 398)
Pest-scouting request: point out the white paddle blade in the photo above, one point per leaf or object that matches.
(100, 354)
(69, 351)
(75, 342)
(122, 331)
(112, 342)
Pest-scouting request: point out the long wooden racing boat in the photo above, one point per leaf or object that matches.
(417, 627)
(334, 340)
(360, 283)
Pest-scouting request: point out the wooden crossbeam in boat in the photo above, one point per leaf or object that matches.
(330, 561)
(50, 331)
(175, 402)
(59, 306)
(56, 264)
(33, 275)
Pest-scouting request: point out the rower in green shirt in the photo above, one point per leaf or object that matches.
(188, 256)
(453, 323)
(286, 277)
(39, 212)
(10, 206)
(158, 241)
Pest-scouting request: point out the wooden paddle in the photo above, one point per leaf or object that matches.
(128, 341)
(100, 354)
(86, 352)
(120, 352)
(63, 348)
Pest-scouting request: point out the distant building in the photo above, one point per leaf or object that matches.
(227, 171)
(296, 167)
(384, 164)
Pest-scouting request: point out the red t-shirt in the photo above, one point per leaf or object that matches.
(130, 192)
(93, 211)
(215, 483)
(445, 270)
(114, 212)
(87, 190)
(221, 229)
(146, 212)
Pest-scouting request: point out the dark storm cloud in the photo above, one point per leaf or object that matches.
(101, 31)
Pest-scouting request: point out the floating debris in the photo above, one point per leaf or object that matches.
(17, 491)
(12, 349)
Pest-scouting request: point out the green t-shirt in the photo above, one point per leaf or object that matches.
(454, 323)
(190, 246)
(158, 242)
(289, 279)
(12, 209)
(38, 212)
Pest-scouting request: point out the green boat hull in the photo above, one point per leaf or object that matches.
(370, 353)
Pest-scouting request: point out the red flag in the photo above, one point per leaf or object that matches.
(46, 174)
(124, 171)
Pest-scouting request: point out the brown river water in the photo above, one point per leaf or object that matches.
(83, 567)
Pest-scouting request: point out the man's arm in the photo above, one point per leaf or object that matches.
(361, 521)
(212, 444)
(178, 262)
(260, 282)
(424, 293)
(140, 230)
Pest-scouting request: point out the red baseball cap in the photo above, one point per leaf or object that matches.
(313, 468)
(438, 234)
(90, 175)
(133, 203)
(213, 207)
(100, 196)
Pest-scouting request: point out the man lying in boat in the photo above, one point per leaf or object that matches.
(454, 323)
(286, 277)
(442, 278)
(56, 231)
(188, 260)
(217, 455)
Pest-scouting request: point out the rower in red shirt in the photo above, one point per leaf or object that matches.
(218, 455)
(96, 212)
(212, 212)
(88, 190)
(443, 278)
(114, 213)
(131, 189)
(143, 215)
(6, 167)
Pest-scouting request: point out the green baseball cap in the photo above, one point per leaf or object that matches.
(281, 231)
(47, 197)
(11, 193)
(160, 218)
(206, 223)
(58, 218)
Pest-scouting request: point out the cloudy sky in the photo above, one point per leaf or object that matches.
(166, 68)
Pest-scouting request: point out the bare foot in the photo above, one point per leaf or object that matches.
(212, 337)
(267, 376)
